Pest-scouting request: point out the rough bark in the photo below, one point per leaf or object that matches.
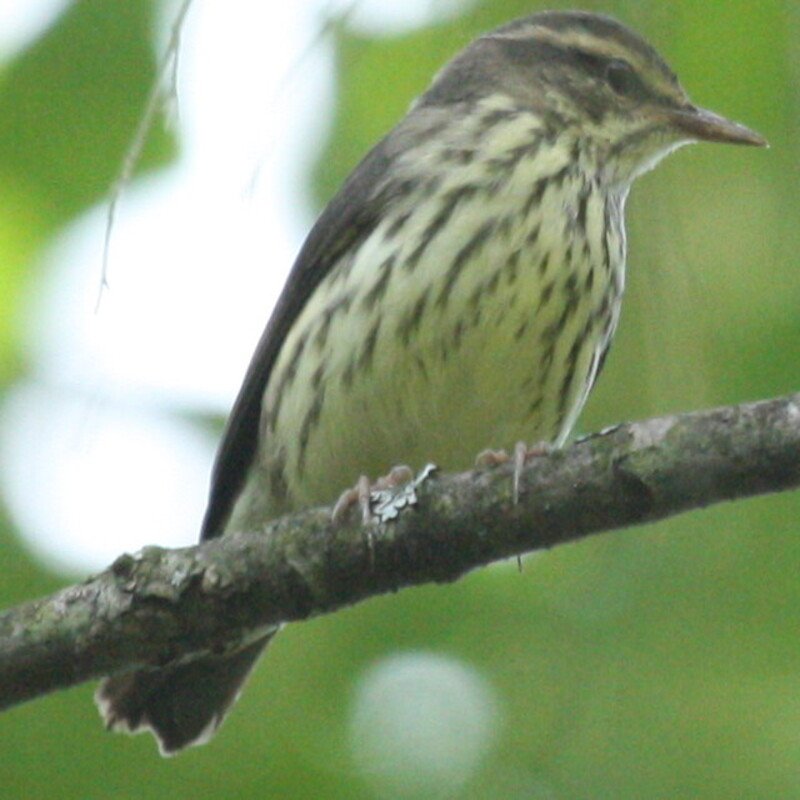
(160, 605)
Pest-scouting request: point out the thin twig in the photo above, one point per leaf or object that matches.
(155, 100)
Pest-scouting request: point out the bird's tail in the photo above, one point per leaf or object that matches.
(181, 705)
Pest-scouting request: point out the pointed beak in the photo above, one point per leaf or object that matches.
(706, 126)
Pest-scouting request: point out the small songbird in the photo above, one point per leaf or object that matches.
(459, 293)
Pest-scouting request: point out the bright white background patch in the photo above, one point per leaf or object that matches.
(153, 483)
(22, 21)
(421, 725)
(95, 461)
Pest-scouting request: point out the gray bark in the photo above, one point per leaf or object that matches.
(163, 605)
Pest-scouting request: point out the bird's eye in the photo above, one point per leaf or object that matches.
(621, 77)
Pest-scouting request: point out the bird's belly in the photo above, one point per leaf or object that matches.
(489, 334)
(504, 359)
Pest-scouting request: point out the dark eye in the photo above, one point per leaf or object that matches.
(621, 78)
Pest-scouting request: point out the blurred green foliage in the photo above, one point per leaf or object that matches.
(657, 663)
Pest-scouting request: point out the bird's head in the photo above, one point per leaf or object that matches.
(593, 81)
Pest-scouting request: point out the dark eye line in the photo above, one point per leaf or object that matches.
(634, 88)
(613, 61)
(626, 82)
(591, 62)
(598, 64)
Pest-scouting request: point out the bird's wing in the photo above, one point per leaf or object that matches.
(347, 220)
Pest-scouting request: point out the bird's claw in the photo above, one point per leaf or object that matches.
(382, 500)
(388, 502)
(387, 497)
(522, 453)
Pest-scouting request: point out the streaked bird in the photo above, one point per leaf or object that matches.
(459, 293)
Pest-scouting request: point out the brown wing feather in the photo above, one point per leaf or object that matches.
(346, 221)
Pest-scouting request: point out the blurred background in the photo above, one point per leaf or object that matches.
(655, 663)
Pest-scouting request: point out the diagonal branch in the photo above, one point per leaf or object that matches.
(161, 605)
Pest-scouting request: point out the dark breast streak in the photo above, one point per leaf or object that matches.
(489, 258)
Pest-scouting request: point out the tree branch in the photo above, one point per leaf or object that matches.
(161, 605)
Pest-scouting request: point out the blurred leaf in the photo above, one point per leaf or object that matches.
(70, 103)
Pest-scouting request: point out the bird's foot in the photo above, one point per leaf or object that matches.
(522, 454)
(387, 497)
(388, 502)
(365, 493)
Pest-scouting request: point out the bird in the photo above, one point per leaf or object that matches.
(459, 293)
